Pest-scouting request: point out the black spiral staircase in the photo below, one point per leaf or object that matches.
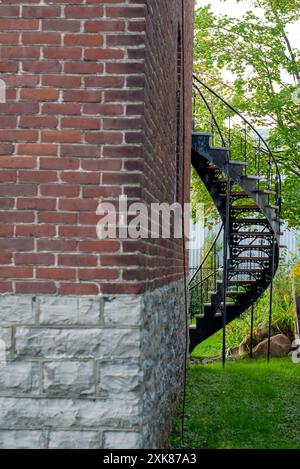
(242, 176)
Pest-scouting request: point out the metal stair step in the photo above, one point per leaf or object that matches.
(254, 178)
(257, 247)
(245, 207)
(266, 234)
(237, 282)
(249, 258)
(237, 163)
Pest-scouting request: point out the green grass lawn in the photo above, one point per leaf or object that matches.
(250, 404)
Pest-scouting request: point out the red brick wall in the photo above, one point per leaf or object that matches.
(90, 114)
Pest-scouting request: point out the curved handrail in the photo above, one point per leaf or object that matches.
(207, 254)
(251, 126)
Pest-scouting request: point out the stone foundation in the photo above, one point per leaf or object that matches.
(91, 372)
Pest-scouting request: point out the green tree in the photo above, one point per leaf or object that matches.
(263, 70)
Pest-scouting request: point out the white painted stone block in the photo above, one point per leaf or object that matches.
(16, 309)
(123, 309)
(75, 343)
(22, 439)
(19, 378)
(69, 378)
(122, 440)
(120, 378)
(67, 413)
(69, 310)
(74, 440)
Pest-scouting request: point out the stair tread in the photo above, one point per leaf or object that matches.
(253, 233)
(253, 246)
(245, 207)
(238, 163)
(247, 258)
(243, 270)
(237, 282)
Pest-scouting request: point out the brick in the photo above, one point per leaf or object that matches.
(84, 232)
(103, 109)
(104, 82)
(122, 124)
(40, 94)
(8, 67)
(17, 162)
(98, 274)
(6, 287)
(102, 165)
(57, 217)
(77, 260)
(124, 95)
(33, 259)
(83, 12)
(49, 66)
(61, 81)
(91, 40)
(55, 274)
(59, 163)
(6, 149)
(80, 151)
(62, 53)
(39, 122)
(101, 191)
(80, 123)
(82, 68)
(39, 231)
(124, 40)
(20, 135)
(83, 96)
(78, 289)
(6, 204)
(36, 204)
(41, 38)
(19, 108)
(19, 52)
(16, 217)
(56, 245)
(61, 136)
(77, 205)
(9, 11)
(63, 25)
(61, 108)
(104, 25)
(17, 24)
(6, 230)
(99, 246)
(16, 272)
(9, 38)
(125, 12)
(115, 138)
(76, 177)
(103, 54)
(35, 287)
(41, 11)
(18, 190)
(38, 149)
(58, 190)
(37, 176)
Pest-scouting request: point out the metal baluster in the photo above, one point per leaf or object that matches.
(271, 298)
(251, 331)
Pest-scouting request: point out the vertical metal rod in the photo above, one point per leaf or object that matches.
(271, 299)
(251, 331)
(225, 268)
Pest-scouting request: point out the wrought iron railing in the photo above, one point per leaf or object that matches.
(204, 279)
(230, 129)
